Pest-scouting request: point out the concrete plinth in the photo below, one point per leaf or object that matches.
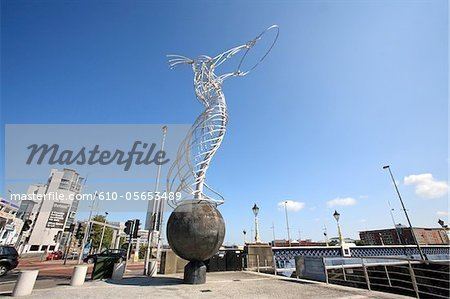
(25, 283)
(78, 275)
(195, 273)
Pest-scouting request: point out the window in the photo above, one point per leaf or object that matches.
(52, 248)
(34, 247)
(44, 247)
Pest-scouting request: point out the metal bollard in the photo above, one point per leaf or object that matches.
(25, 283)
(118, 271)
(78, 275)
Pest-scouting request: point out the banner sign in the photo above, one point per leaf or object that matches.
(58, 215)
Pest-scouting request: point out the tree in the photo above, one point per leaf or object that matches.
(96, 233)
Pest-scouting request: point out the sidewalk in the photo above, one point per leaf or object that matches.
(218, 285)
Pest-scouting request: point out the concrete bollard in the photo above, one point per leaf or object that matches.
(152, 268)
(78, 275)
(25, 283)
(118, 271)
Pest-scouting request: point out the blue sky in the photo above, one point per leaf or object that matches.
(349, 87)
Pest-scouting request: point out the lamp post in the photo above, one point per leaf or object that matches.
(255, 210)
(325, 234)
(273, 232)
(422, 256)
(155, 212)
(287, 222)
(103, 233)
(336, 216)
(244, 232)
(391, 211)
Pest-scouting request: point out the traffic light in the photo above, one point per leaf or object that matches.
(79, 233)
(136, 228)
(57, 237)
(128, 227)
(26, 226)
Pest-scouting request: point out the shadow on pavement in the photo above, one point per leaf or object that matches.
(146, 281)
(6, 294)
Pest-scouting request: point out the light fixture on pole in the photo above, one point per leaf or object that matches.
(325, 234)
(255, 210)
(336, 216)
(422, 256)
(287, 222)
(155, 211)
(244, 232)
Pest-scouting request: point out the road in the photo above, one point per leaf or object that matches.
(52, 273)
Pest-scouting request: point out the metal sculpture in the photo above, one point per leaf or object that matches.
(188, 172)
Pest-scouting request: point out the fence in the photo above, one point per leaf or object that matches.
(421, 279)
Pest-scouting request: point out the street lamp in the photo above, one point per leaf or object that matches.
(244, 232)
(325, 233)
(422, 256)
(287, 222)
(255, 210)
(155, 213)
(336, 216)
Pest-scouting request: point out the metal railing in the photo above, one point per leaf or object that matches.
(420, 279)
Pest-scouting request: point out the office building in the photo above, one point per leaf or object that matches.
(52, 208)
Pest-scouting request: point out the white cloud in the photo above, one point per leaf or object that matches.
(341, 201)
(442, 213)
(364, 196)
(292, 206)
(426, 186)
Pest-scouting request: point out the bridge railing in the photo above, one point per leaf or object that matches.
(421, 279)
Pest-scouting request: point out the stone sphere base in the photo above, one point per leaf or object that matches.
(195, 232)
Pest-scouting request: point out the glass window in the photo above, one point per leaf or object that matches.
(34, 247)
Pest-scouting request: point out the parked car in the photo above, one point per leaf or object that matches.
(120, 254)
(72, 256)
(55, 255)
(9, 259)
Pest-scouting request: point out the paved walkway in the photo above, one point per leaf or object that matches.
(218, 285)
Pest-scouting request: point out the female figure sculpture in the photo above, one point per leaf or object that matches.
(187, 173)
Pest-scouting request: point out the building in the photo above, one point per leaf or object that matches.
(10, 226)
(52, 208)
(401, 235)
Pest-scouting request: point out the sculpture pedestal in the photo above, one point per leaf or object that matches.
(195, 272)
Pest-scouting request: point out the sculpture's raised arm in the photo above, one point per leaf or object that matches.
(221, 58)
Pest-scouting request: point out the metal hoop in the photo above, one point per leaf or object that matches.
(251, 44)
